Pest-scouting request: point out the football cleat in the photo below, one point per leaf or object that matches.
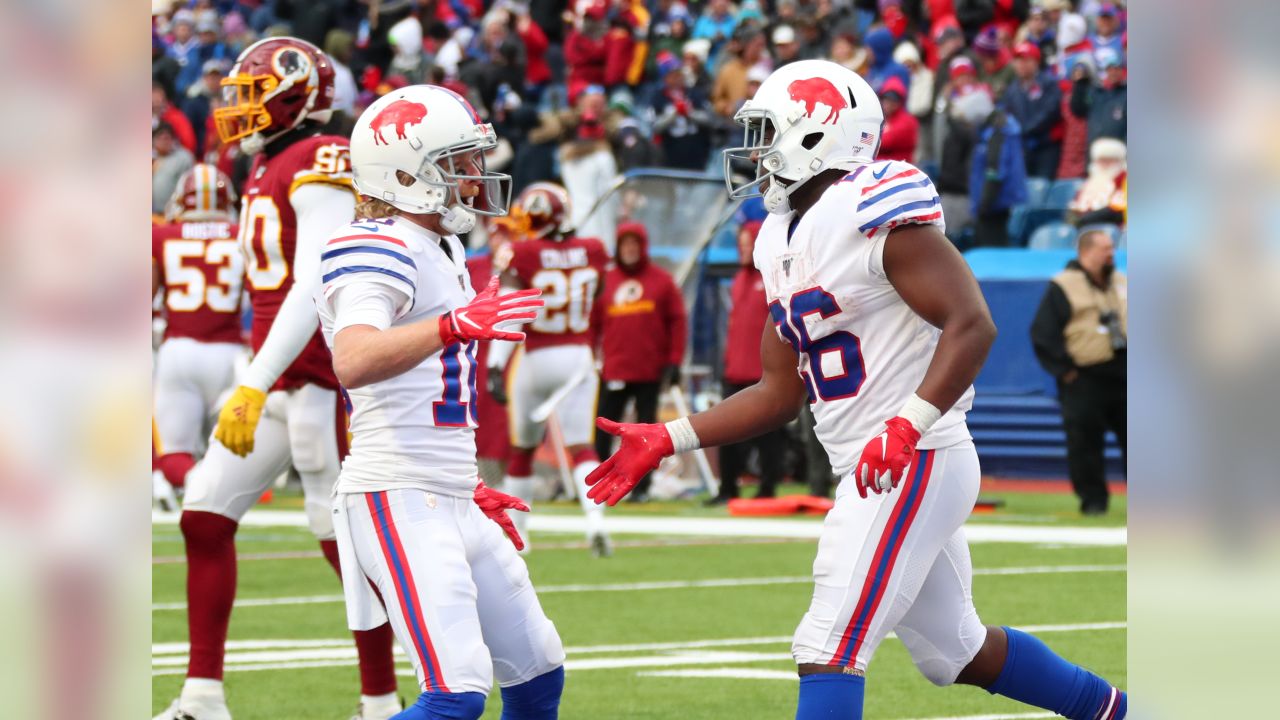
(163, 493)
(382, 711)
(601, 546)
(200, 709)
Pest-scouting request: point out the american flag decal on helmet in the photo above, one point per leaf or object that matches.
(867, 138)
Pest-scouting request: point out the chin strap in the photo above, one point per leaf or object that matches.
(457, 220)
(777, 199)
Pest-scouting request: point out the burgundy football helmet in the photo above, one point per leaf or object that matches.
(546, 205)
(202, 193)
(275, 84)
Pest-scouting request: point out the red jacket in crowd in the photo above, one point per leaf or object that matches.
(536, 69)
(641, 317)
(747, 318)
(901, 131)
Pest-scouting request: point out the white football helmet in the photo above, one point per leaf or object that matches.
(807, 116)
(427, 131)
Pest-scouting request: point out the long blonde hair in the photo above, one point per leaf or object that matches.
(371, 208)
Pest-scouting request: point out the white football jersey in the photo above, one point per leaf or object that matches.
(415, 429)
(862, 350)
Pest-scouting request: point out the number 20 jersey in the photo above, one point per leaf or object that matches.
(568, 272)
(416, 429)
(862, 350)
(268, 238)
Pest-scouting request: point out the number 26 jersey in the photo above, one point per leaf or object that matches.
(862, 351)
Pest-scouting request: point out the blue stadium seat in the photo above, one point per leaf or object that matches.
(1061, 194)
(1018, 223)
(1037, 189)
(1054, 236)
(1033, 220)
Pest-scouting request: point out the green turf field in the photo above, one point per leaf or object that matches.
(680, 650)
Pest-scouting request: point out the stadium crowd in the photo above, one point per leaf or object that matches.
(1008, 104)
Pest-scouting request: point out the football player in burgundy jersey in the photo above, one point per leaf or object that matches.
(197, 269)
(287, 409)
(556, 364)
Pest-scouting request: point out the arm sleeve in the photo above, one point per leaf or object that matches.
(1046, 332)
(677, 323)
(320, 208)
(373, 304)
(1080, 97)
(900, 195)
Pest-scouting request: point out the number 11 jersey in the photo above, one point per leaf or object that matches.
(862, 350)
(568, 272)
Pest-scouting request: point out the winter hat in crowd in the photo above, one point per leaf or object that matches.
(1027, 50)
(961, 65)
(987, 43)
(667, 63)
(893, 87)
(757, 74)
(699, 48)
(1072, 29)
(783, 35)
(906, 53)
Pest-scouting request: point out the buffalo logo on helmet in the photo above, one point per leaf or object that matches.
(815, 90)
(400, 114)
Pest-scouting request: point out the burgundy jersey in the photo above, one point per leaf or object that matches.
(201, 270)
(268, 238)
(568, 272)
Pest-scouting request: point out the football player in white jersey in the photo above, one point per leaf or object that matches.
(397, 309)
(878, 320)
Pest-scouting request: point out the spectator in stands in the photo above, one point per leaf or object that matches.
(1074, 49)
(1103, 196)
(643, 327)
(339, 44)
(812, 39)
(1035, 101)
(671, 35)
(901, 130)
(168, 161)
(586, 163)
(208, 47)
(716, 24)
(1105, 104)
(786, 48)
(163, 111)
(881, 41)
(1107, 33)
(920, 99)
(202, 98)
(747, 317)
(694, 55)
(993, 61)
(997, 176)
(1080, 334)
(1039, 32)
(730, 89)
(164, 69)
(586, 51)
(849, 53)
(965, 105)
(537, 72)
(182, 46)
(681, 118)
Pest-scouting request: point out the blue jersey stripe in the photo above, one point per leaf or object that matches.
(370, 249)
(368, 268)
(891, 191)
(899, 210)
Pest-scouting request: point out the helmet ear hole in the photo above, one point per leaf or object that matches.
(811, 140)
(405, 178)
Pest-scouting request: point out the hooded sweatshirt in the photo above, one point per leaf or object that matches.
(641, 317)
(883, 66)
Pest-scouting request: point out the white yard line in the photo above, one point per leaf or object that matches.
(720, 673)
(665, 585)
(733, 527)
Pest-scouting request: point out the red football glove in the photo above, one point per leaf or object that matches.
(643, 447)
(886, 457)
(495, 505)
(479, 319)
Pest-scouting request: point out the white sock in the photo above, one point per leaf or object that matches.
(203, 689)
(381, 704)
(594, 512)
(521, 487)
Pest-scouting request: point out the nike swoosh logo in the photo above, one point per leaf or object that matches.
(880, 175)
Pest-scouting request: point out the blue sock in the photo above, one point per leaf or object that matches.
(830, 696)
(1035, 675)
(537, 699)
(444, 706)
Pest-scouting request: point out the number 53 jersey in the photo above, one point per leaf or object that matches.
(862, 351)
(416, 429)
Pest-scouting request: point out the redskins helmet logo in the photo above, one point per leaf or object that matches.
(290, 62)
(539, 205)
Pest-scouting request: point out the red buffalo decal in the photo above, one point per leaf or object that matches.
(812, 91)
(401, 114)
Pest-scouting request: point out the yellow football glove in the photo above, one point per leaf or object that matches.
(239, 419)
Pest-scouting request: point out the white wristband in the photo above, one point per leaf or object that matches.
(683, 438)
(920, 413)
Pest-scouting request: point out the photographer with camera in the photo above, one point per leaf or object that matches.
(1080, 334)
